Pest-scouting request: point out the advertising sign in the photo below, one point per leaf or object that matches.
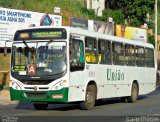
(96, 26)
(133, 33)
(120, 30)
(137, 34)
(12, 19)
(78, 22)
(101, 27)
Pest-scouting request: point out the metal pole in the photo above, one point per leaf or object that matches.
(156, 48)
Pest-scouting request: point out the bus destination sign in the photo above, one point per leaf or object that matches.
(52, 34)
(34, 34)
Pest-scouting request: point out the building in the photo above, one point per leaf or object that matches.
(97, 5)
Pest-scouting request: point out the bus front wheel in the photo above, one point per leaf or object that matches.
(90, 97)
(40, 106)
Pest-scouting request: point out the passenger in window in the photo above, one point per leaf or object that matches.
(99, 57)
(88, 57)
(93, 57)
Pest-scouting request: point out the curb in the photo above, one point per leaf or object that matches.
(5, 97)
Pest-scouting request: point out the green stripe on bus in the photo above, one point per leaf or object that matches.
(40, 96)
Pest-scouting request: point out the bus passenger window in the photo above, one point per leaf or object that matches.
(149, 57)
(140, 56)
(91, 50)
(117, 53)
(104, 51)
(129, 55)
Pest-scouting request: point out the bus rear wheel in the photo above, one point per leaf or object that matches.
(90, 97)
(134, 94)
(40, 106)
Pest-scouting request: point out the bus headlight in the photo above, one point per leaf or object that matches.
(15, 85)
(58, 86)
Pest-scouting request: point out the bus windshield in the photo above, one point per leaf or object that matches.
(39, 58)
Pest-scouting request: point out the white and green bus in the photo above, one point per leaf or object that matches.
(66, 64)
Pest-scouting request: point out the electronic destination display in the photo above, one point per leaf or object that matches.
(38, 34)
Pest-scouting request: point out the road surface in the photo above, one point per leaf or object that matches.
(148, 105)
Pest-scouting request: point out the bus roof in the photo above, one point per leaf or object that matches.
(79, 31)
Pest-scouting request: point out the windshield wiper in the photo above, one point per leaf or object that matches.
(25, 44)
(49, 42)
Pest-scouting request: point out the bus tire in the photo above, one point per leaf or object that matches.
(40, 106)
(90, 97)
(134, 93)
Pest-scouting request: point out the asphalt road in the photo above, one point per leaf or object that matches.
(148, 105)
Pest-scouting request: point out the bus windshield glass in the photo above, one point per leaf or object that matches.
(39, 58)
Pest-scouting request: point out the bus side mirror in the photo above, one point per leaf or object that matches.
(5, 51)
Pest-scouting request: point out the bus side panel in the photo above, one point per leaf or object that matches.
(124, 85)
(110, 86)
(105, 88)
(145, 77)
(146, 88)
(106, 91)
(123, 90)
(112, 81)
(147, 81)
(76, 86)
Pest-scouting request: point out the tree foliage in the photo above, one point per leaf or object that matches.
(117, 16)
(151, 39)
(134, 10)
(9, 3)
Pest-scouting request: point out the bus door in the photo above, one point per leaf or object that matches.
(77, 62)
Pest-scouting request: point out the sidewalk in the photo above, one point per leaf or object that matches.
(5, 98)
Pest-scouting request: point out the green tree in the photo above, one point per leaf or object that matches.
(134, 10)
(117, 16)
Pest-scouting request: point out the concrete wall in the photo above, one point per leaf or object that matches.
(4, 68)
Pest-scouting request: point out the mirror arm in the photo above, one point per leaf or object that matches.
(5, 48)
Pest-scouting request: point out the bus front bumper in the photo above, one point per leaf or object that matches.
(40, 96)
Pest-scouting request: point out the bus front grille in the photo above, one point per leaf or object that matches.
(37, 82)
